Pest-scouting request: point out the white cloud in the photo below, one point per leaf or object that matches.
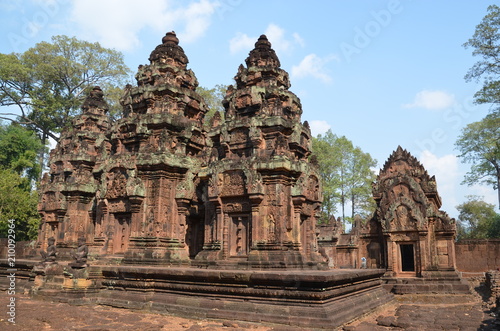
(276, 36)
(274, 33)
(197, 19)
(447, 174)
(486, 192)
(241, 42)
(432, 100)
(319, 127)
(120, 30)
(314, 66)
(298, 39)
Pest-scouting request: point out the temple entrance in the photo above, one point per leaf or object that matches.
(194, 236)
(407, 257)
(121, 233)
(239, 236)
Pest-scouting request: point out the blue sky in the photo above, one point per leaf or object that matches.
(382, 73)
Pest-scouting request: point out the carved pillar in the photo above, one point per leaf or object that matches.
(225, 236)
(136, 217)
(110, 221)
(307, 229)
(420, 259)
(390, 255)
(451, 253)
(296, 227)
(256, 222)
(180, 228)
(432, 248)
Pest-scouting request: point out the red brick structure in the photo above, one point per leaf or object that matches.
(478, 255)
(414, 236)
(263, 194)
(68, 191)
(175, 210)
(157, 188)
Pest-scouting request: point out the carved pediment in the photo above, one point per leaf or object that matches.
(403, 215)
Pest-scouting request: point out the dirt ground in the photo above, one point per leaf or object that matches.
(404, 313)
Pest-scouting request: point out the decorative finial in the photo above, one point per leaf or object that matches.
(170, 37)
(263, 42)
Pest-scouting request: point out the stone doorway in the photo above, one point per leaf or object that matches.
(121, 234)
(240, 236)
(194, 236)
(407, 253)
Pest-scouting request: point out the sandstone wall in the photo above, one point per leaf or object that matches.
(23, 249)
(478, 255)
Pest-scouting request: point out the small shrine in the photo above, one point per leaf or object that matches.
(408, 235)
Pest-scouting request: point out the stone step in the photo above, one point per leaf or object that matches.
(428, 288)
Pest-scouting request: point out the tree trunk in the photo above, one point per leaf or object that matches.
(498, 187)
(42, 156)
(352, 206)
(342, 200)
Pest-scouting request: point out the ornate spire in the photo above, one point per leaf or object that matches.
(401, 154)
(169, 49)
(262, 54)
(95, 103)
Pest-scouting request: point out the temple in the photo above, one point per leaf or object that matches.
(415, 237)
(168, 209)
(157, 187)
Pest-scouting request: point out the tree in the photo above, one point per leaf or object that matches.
(48, 82)
(346, 175)
(486, 43)
(213, 97)
(329, 162)
(477, 219)
(19, 150)
(19, 168)
(479, 144)
(17, 203)
(361, 176)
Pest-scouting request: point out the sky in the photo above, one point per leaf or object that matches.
(382, 73)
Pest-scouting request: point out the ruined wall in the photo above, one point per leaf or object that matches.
(478, 255)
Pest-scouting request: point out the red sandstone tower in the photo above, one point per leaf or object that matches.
(156, 188)
(263, 193)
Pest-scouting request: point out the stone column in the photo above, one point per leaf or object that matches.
(451, 253)
(225, 236)
(390, 255)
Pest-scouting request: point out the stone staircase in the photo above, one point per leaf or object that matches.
(432, 282)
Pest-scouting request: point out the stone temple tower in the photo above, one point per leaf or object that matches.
(148, 179)
(68, 190)
(263, 193)
(163, 186)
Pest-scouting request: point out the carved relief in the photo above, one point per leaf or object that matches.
(117, 184)
(234, 184)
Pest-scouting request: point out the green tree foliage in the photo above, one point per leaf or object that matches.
(477, 219)
(213, 97)
(48, 82)
(324, 148)
(19, 168)
(360, 180)
(479, 144)
(486, 44)
(19, 150)
(19, 204)
(346, 176)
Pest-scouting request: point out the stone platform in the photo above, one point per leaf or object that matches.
(303, 298)
(432, 282)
